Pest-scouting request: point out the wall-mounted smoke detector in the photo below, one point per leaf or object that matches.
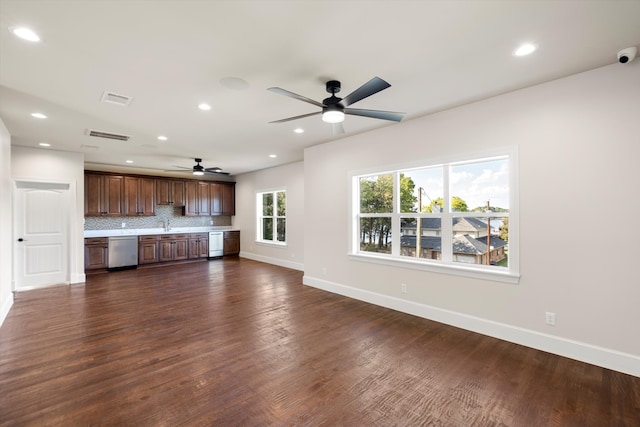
(107, 135)
(114, 98)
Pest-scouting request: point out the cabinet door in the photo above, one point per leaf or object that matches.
(147, 252)
(231, 243)
(93, 194)
(113, 189)
(131, 196)
(181, 248)
(166, 250)
(203, 199)
(204, 246)
(215, 196)
(191, 204)
(163, 188)
(96, 253)
(147, 197)
(228, 199)
(139, 196)
(177, 189)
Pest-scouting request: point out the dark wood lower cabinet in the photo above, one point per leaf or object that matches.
(198, 245)
(96, 253)
(148, 250)
(231, 243)
(173, 247)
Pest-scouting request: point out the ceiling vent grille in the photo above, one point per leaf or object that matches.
(114, 98)
(107, 135)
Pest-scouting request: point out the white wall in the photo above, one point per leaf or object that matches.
(6, 223)
(290, 177)
(579, 148)
(58, 166)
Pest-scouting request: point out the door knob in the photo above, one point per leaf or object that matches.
(21, 239)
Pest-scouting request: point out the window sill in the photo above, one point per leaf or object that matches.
(485, 273)
(271, 244)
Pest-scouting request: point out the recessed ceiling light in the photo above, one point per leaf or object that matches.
(162, 138)
(273, 156)
(38, 115)
(298, 130)
(128, 161)
(204, 107)
(25, 34)
(525, 49)
(44, 144)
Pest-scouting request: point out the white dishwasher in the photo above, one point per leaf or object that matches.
(216, 244)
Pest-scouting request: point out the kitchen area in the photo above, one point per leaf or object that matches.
(135, 220)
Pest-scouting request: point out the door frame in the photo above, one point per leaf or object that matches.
(74, 274)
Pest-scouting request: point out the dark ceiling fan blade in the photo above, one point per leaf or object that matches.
(337, 129)
(297, 117)
(295, 95)
(216, 172)
(374, 85)
(376, 114)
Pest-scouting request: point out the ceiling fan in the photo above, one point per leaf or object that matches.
(334, 108)
(200, 170)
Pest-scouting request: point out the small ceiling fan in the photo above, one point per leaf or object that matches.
(334, 108)
(200, 170)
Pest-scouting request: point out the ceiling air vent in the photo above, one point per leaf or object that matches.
(114, 98)
(107, 135)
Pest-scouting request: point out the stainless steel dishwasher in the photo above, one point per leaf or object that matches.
(123, 252)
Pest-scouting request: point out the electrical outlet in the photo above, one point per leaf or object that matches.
(324, 271)
(124, 224)
(403, 288)
(550, 318)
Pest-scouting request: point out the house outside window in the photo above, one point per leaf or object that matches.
(272, 217)
(454, 217)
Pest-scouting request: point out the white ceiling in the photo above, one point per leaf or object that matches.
(171, 55)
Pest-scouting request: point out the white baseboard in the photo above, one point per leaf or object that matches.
(78, 278)
(276, 261)
(4, 310)
(584, 352)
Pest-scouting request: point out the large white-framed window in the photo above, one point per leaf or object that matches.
(457, 216)
(271, 214)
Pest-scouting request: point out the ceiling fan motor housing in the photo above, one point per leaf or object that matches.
(333, 86)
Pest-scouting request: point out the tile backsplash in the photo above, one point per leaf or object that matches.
(163, 213)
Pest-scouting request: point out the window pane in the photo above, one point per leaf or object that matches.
(375, 235)
(267, 228)
(267, 204)
(282, 228)
(282, 203)
(428, 245)
(421, 190)
(479, 241)
(473, 185)
(376, 194)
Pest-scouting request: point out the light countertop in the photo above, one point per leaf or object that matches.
(148, 231)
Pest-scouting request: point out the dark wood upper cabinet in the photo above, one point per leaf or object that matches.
(139, 196)
(223, 201)
(109, 194)
(170, 192)
(103, 195)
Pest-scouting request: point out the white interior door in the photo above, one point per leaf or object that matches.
(41, 234)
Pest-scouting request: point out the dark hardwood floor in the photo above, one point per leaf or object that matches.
(236, 342)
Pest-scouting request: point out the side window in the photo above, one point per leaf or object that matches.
(271, 217)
